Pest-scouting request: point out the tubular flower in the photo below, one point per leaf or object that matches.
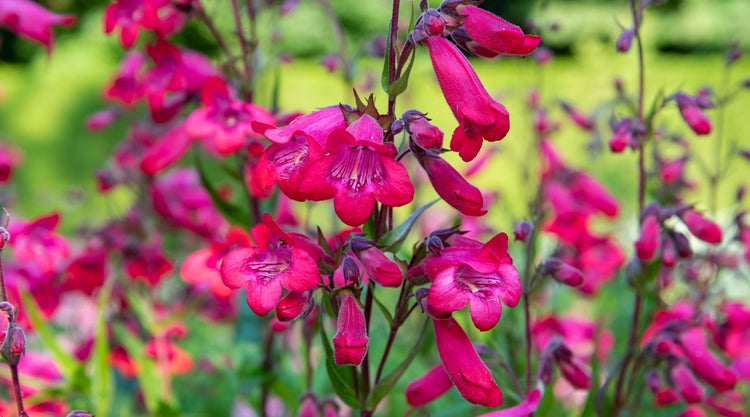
(701, 227)
(481, 275)
(359, 170)
(428, 387)
(32, 21)
(224, 120)
(692, 114)
(318, 124)
(648, 241)
(277, 261)
(494, 33)
(452, 187)
(283, 163)
(350, 342)
(463, 365)
(478, 115)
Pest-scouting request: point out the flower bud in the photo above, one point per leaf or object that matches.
(648, 241)
(682, 245)
(379, 268)
(692, 114)
(433, 22)
(350, 269)
(452, 187)
(293, 305)
(4, 238)
(434, 245)
(701, 227)
(426, 135)
(625, 40)
(397, 126)
(668, 251)
(572, 368)
(523, 230)
(350, 342)
(562, 272)
(16, 340)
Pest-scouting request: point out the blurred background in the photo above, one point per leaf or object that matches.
(46, 99)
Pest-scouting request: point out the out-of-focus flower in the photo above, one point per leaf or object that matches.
(692, 114)
(701, 227)
(491, 34)
(32, 21)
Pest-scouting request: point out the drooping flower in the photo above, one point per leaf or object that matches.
(524, 409)
(126, 86)
(159, 16)
(648, 241)
(165, 151)
(701, 227)
(32, 21)
(428, 387)
(692, 114)
(495, 34)
(377, 266)
(350, 342)
(479, 115)
(277, 262)
(223, 120)
(469, 272)
(465, 369)
(359, 170)
(452, 187)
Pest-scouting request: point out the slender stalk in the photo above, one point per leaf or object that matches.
(714, 179)
(527, 308)
(3, 291)
(266, 367)
(243, 46)
(203, 17)
(17, 390)
(392, 76)
(638, 299)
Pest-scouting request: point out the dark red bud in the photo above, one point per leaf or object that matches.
(350, 269)
(434, 245)
(17, 340)
(523, 230)
(434, 23)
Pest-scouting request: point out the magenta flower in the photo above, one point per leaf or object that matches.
(276, 262)
(705, 365)
(463, 366)
(469, 272)
(524, 409)
(166, 151)
(692, 390)
(701, 227)
(126, 86)
(478, 115)
(428, 387)
(318, 124)
(293, 305)
(148, 263)
(452, 187)
(692, 114)
(159, 16)
(495, 34)
(224, 120)
(359, 170)
(284, 163)
(648, 241)
(202, 267)
(10, 157)
(32, 21)
(350, 342)
(422, 132)
(377, 266)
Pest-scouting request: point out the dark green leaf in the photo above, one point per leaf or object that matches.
(392, 240)
(341, 377)
(231, 212)
(384, 79)
(399, 86)
(385, 385)
(102, 388)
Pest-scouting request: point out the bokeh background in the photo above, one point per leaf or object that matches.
(46, 99)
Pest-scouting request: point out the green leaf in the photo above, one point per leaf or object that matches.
(384, 81)
(383, 309)
(399, 86)
(148, 377)
(69, 367)
(102, 388)
(392, 240)
(385, 385)
(231, 212)
(341, 377)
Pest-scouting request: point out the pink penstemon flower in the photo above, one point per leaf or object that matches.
(428, 387)
(359, 170)
(464, 367)
(224, 121)
(470, 272)
(350, 342)
(32, 21)
(277, 261)
(479, 115)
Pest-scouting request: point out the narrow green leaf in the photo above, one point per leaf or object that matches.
(392, 240)
(399, 86)
(383, 309)
(102, 388)
(385, 385)
(148, 377)
(341, 377)
(232, 213)
(68, 364)
(384, 81)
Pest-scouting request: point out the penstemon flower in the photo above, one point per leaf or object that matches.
(359, 170)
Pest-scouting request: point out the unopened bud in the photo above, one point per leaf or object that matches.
(562, 272)
(293, 305)
(625, 40)
(682, 245)
(350, 342)
(350, 269)
(434, 245)
(16, 340)
(653, 380)
(740, 195)
(397, 126)
(523, 230)
(434, 23)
